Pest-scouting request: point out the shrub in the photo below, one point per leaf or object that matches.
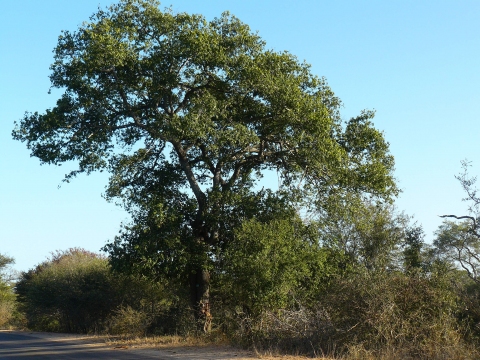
(367, 315)
(411, 315)
(7, 297)
(76, 291)
(128, 321)
(7, 308)
(73, 291)
(269, 262)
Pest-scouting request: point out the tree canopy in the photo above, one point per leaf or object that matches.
(187, 114)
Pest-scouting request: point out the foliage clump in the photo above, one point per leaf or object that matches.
(75, 291)
(7, 297)
(71, 292)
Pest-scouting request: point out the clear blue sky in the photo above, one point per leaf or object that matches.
(416, 62)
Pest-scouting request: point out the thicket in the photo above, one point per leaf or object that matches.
(371, 289)
(284, 286)
(360, 283)
(76, 291)
(356, 280)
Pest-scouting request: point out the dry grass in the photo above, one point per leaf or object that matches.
(269, 355)
(209, 346)
(205, 343)
(158, 341)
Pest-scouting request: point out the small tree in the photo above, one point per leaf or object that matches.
(7, 297)
(370, 233)
(414, 249)
(272, 265)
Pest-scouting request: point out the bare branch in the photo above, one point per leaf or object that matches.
(461, 217)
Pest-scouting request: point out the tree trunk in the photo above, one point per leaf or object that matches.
(200, 298)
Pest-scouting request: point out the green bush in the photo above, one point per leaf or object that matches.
(269, 262)
(76, 291)
(73, 291)
(7, 296)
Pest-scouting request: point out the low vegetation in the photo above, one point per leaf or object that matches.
(283, 291)
(7, 297)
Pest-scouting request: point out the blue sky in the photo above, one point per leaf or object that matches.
(416, 63)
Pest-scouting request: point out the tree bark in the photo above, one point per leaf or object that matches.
(199, 278)
(200, 298)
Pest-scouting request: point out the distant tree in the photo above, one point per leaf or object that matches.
(188, 114)
(5, 261)
(76, 291)
(456, 244)
(414, 248)
(460, 241)
(370, 233)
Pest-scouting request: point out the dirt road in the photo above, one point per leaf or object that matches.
(27, 345)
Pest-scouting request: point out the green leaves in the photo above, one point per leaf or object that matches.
(7, 296)
(73, 292)
(135, 73)
(269, 264)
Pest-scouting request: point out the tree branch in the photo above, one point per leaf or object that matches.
(184, 163)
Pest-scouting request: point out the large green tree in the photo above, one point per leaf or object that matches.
(186, 114)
